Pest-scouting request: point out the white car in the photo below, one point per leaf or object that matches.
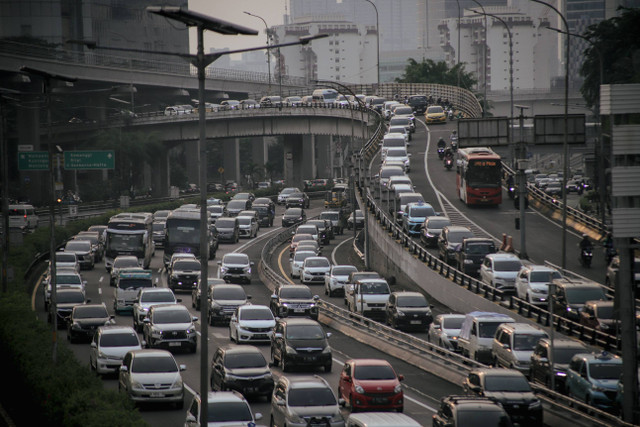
(225, 408)
(309, 229)
(152, 376)
(399, 154)
(148, 297)
(108, 347)
(314, 269)
(499, 270)
(251, 323)
(401, 130)
(532, 283)
(444, 330)
(335, 281)
(297, 260)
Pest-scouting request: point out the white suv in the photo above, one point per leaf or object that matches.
(108, 347)
(225, 408)
(499, 270)
(314, 269)
(532, 283)
(297, 402)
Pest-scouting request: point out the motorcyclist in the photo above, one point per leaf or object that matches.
(441, 143)
(510, 182)
(585, 243)
(448, 154)
(454, 135)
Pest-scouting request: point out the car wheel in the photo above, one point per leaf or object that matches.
(285, 364)
(212, 321)
(327, 367)
(273, 358)
(193, 349)
(271, 423)
(180, 404)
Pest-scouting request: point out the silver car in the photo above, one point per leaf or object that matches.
(152, 376)
(148, 297)
(444, 330)
(335, 281)
(108, 347)
(235, 267)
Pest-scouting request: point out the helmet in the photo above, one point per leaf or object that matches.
(585, 235)
(454, 132)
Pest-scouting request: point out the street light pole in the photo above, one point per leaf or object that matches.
(266, 29)
(484, 56)
(377, 40)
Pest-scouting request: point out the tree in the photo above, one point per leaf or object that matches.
(618, 40)
(429, 71)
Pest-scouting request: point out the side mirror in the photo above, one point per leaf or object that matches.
(280, 402)
(194, 319)
(248, 296)
(257, 416)
(543, 360)
(191, 419)
(400, 377)
(219, 262)
(183, 367)
(316, 298)
(274, 296)
(329, 334)
(143, 343)
(146, 320)
(251, 263)
(88, 300)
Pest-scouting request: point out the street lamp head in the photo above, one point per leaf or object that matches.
(195, 19)
(306, 39)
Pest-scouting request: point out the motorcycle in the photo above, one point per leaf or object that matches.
(454, 142)
(441, 153)
(609, 253)
(448, 163)
(586, 254)
(511, 191)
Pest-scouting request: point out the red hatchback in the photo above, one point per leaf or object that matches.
(371, 384)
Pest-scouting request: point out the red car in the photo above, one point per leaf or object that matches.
(370, 384)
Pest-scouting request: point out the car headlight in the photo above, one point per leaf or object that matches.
(290, 350)
(231, 377)
(247, 269)
(224, 269)
(598, 388)
(295, 418)
(398, 388)
(401, 314)
(359, 389)
(136, 384)
(177, 383)
(191, 330)
(156, 333)
(535, 404)
(326, 350)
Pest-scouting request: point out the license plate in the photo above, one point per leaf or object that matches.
(174, 344)
(379, 401)
(258, 336)
(416, 322)
(157, 394)
(298, 310)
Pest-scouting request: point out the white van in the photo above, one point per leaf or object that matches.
(327, 96)
(476, 335)
(381, 419)
(22, 216)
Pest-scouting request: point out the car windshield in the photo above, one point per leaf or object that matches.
(295, 293)
(488, 329)
(507, 265)
(452, 322)
(311, 397)
(288, 191)
(244, 220)
(359, 214)
(333, 216)
(397, 129)
(68, 279)
(412, 301)
(375, 288)
(459, 236)
(65, 257)
(480, 248)
(296, 196)
(435, 110)
(225, 412)
(152, 364)
(375, 372)
(605, 371)
(317, 263)
(186, 265)
(157, 297)
(256, 314)
(125, 262)
(171, 316)
(301, 256)
(293, 212)
(158, 226)
(229, 293)
(487, 418)
(564, 355)
(307, 229)
(78, 245)
(438, 223)
(302, 237)
(604, 312)
(134, 283)
(544, 276)
(237, 204)
(582, 295)
(124, 339)
(89, 238)
(236, 259)
(69, 297)
(388, 172)
(396, 152)
(244, 360)
(225, 223)
(421, 211)
(526, 342)
(89, 312)
(506, 383)
(305, 332)
(343, 271)
(403, 111)
(215, 209)
(399, 121)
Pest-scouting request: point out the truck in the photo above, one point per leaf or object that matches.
(471, 252)
(476, 335)
(369, 297)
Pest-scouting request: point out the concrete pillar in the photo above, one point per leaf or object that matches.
(231, 150)
(324, 151)
(192, 165)
(293, 161)
(309, 170)
(259, 151)
(160, 181)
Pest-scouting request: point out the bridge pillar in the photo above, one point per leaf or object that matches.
(192, 165)
(293, 160)
(325, 147)
(309, 170)
(161, 179)
(260, 150)
(231, 152)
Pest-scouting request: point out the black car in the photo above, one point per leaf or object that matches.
(196, 293)
(418, 103)
(294, 300)
(297, 199)
(241, 368)
(457, 411)
(266, 214)
(234, 207)
(85, 320)
(408, 310)
(510, 388)
(308, 341)
(563, 350)
(293, 216)
(450, 238)
(185, 274)
(325, 230)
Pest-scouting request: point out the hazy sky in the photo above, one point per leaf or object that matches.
(271, 11)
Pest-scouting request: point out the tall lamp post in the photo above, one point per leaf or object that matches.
(565, 143)
(266, 29)
(484, 56)
(377, 39)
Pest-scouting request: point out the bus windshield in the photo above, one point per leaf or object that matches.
(183, 231)
(482, 174)
(125, 242)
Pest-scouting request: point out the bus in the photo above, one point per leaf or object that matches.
(478, 179)
(129, 234)
(182, 235)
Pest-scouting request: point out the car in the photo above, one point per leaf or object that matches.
(325, 230)
(97, 246)
(431, 228)
(399, 155)
(271, 101)
(499, 270)
(251, 323)
(266, 214)
(611, 278)
(244, 196)
(418, 103)
(510, 388)
(563, 350)
(285, 192)
(336, 279)
(404, 111)
(174, 110)
(248, 104)
(65, 279)
(514, 343)
(293, 216)
(294, 300)
(314, 269)
(152, 376)
(571, 296)
(248, 226)
(450, 237)
(435, 114)
(228, 229)
(353, 278)
(408, 310)
(309, 229)
(85, 319)
(216, 211)
(293, 101)
(121, 262)
(300, 342)
(230, 104)
(593, 379)
(309, 245)
(297, 261)
(66, 299)
(370, 385)
(369, 297)
(128, 283)
(532, 283)
(196, 294)
(185, 274)
(234, 207)
(303, 400)
(336, 221)
(84, 252)
(66, 260)
(414, 215)
(445, 329)
(402, 131)
(224, 409)
(298, 239)
(243, 369)
(460, 411)
(297, 200)
(176, 255)
(158, 233)
(223, 301)
(108, 346)
(471, 252)
(357, 222)
(148, 297)
(600, 315)
(170, 326)
(235, 267)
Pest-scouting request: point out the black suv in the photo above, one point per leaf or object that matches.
(510, 388)
(241, 368)
(85, 320)
(450, 238)
(563, 351)
(185, 274)
(325, 230)
(418, 103)
(571, 296)
(266, 214)
(471, 252)
(470, 410)
(294, 300)
(308, 340)
(223, 301)
(298, 200)
(293, 216)
(408, 310)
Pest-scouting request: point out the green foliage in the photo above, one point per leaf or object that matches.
(429, 71)
(618, 40)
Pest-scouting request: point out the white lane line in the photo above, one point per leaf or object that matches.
(160, 270)
(100, 279)
(157, 280)
(333, 253)
(100, 291)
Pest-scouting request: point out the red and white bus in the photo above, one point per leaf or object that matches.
(478, 180)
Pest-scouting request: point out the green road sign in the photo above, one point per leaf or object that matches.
(33, 160)
(75, 160)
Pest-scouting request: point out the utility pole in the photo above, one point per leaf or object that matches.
(522, 183)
